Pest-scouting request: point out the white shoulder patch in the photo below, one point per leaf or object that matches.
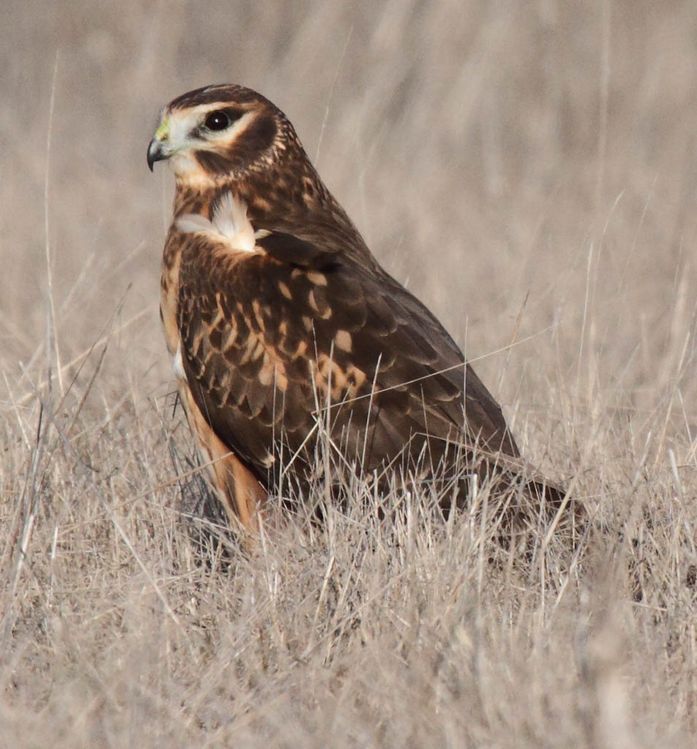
(192, 223)
(178, 365)
(229, 224)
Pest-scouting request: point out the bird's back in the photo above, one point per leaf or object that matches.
(288, 335)
(286, 346)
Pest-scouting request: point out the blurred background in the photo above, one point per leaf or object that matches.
(526, 168)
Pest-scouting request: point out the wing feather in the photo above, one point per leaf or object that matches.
(303, 319)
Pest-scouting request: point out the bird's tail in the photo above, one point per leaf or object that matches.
(525, 502)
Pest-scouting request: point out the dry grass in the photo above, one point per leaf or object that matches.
(529, 170)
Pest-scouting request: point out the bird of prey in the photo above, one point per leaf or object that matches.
(284, 329)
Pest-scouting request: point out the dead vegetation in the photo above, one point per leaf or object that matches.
(528, 169)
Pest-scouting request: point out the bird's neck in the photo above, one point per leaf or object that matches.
(310, 213)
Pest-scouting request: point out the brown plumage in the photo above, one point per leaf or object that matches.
(283, 325)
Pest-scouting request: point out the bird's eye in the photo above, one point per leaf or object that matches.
(217, 120)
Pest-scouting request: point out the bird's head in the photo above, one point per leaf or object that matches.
(228, 138)
(218, 133)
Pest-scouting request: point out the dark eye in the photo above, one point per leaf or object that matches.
(217, 120)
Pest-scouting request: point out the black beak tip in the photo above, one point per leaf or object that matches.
(154, 153)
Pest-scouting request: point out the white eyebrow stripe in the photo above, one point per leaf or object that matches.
(182, 123)
(230, 133)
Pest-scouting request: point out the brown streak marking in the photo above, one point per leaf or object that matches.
(225, 381)
(239, 492)
(343, 341)
(300, 350)
(273, 371)
(331, 371)
(319, 279)
(249, 346)
(358, 375)
(266, 376)
(283, 288)
(260, 204)
(256, 308)
(324, 315)
(219, 314)
(259, 350)
(281, 380)
(266, 371)
(230, 337)
(198, 340)
(169, 296)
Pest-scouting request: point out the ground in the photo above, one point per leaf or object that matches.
(529, 171)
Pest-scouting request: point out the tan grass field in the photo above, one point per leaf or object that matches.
(529, 170)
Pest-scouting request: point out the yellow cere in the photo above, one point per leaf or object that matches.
(162, 132)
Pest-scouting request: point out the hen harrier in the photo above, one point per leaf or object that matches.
(283, 326)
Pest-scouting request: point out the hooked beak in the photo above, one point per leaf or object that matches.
(156, 152)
